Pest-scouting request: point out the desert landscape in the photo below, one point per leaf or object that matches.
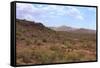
(39, 44)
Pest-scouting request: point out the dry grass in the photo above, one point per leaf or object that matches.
(39, 45)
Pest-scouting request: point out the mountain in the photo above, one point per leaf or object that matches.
(63, 28)
(82, 30)
(34, 30)
(72, 29)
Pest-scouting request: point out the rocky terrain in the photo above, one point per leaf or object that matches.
(38, 44)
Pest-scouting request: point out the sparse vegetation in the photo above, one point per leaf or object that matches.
(39, 44)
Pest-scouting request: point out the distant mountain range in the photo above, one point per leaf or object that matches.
(72, 29)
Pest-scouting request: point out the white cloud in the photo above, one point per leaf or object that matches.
(74, 12)
(23, 10)
(31, 12)
(27, 11)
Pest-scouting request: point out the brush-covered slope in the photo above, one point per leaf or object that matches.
(37, 44)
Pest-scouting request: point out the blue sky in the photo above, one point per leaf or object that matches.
(55, 15)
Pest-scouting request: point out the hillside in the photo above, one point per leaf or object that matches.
(71, 29)
(38, 44)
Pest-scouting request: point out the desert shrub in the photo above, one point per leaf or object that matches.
(19, 61)
(18, 34)
(88, 45)
(25, 54)
(22, 38)
(49, 55)
(23, 30)
(89, 58)
(54, 48)
(68, 44)
(44, 40)
(43, 56)
(38, 42)
(28, 41)
(74, 56)
(33, 35)
(58, 47)
(59, 57)
(59, 53)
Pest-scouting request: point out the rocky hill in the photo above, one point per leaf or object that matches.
(38, 44)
